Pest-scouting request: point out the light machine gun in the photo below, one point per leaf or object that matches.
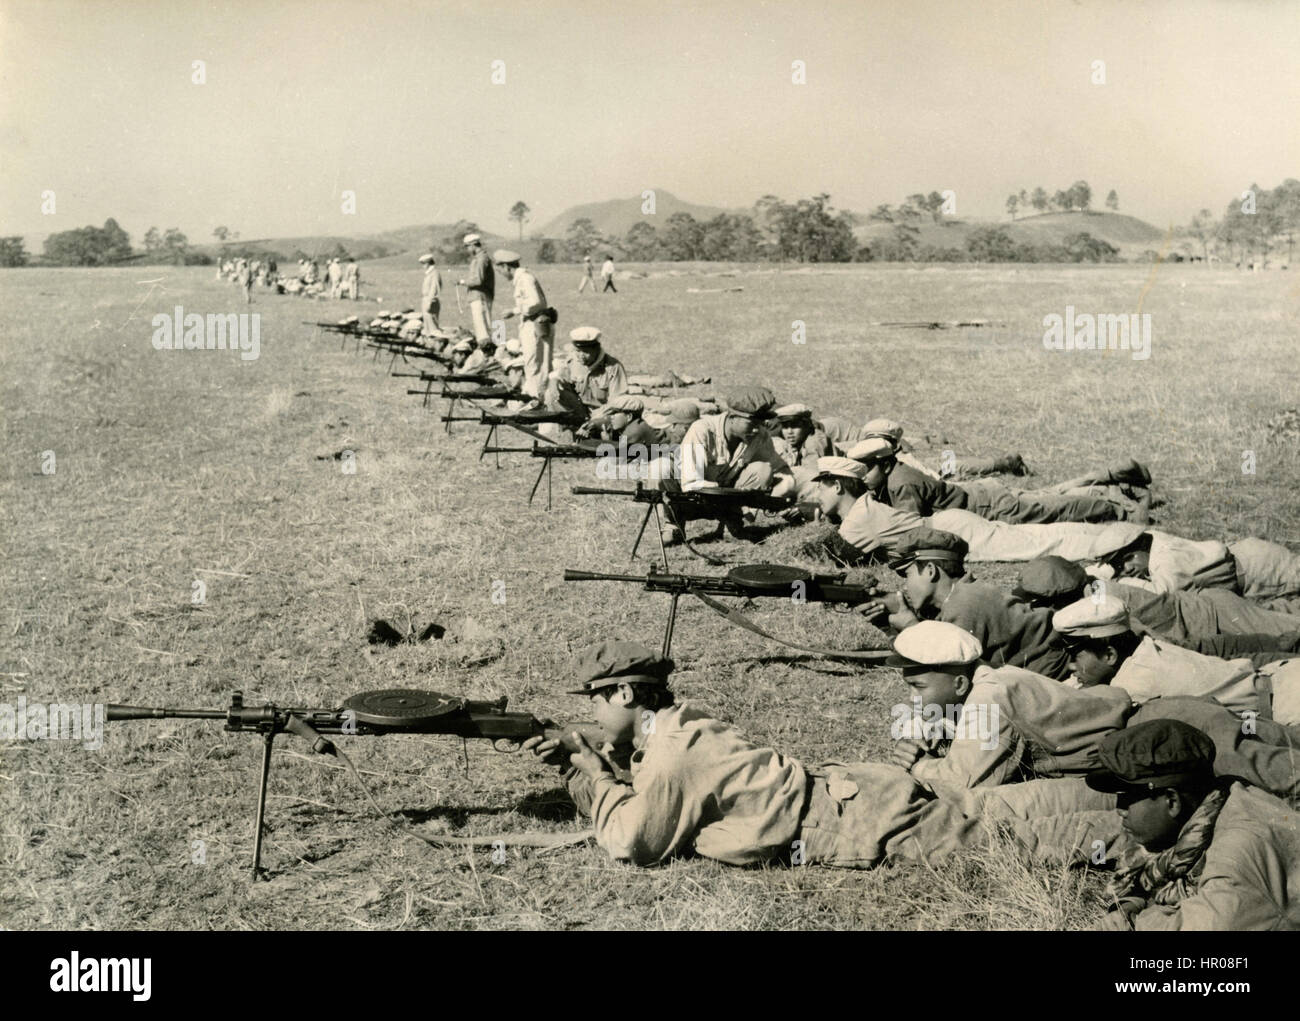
(368, 714)
(714, 502)
(750, 581)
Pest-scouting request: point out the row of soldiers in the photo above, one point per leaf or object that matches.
(338, 279)
(1133, 702)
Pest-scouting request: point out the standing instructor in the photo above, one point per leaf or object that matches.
(481, 283)
(536, 333)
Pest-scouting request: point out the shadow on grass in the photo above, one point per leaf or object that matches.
(548, 806)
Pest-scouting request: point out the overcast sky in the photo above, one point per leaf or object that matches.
(395, 101)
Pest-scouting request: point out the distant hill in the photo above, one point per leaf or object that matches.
(615, 217)
(1127, 233)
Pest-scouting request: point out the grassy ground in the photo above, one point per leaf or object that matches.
(172, 467)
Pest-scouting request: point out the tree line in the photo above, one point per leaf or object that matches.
(1255, 224)
(1075, 199)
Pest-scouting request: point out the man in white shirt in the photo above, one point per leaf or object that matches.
(536, 333)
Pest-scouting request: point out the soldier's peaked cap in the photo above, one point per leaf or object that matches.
(930, 544)
(1152, 756)
(871, 449)
(757, 401)
(885, 427)
(935, 643)
(1050, 578)
(793, 413)
(613, 662)
(1097, 615)
(841, 468)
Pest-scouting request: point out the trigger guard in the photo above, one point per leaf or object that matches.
(505, 745)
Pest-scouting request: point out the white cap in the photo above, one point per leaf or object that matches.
(871, 450)
(935, 643)
(471, 238)
(1100, 615)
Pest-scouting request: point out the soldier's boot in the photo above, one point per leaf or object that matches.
(1011, 464)
(1130, 473)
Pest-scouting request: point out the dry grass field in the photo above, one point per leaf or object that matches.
(172, 467)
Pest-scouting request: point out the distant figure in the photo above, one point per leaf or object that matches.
(588, 275)
(430, 294)
(607, 275)
(246, 280)
(334, 274)
(480, 282)
(352, 278)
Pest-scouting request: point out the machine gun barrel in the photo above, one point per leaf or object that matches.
(639, 493)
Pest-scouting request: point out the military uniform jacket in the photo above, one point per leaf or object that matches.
(707, 462)
(1251, 878)
(1017, 725)
(481, 281)
(595, 384)
(697, 783)
(1159, 668)
(816, 444)
(1011, 631)
(910, 490)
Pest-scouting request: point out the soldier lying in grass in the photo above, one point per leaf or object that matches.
(1212, 854)
(1261, 571)
(698, 785)
(1104, 649)
(1041, 728)
(1215, 622)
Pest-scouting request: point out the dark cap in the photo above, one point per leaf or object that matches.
(1152, 756)
(1050, 578)
(755, 401)
(930, 544)
(609, 663)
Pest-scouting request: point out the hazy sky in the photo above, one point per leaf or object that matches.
(602, 100)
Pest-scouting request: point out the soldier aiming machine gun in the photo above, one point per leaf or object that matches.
(369, 714)
(751, 581)
(715, 503)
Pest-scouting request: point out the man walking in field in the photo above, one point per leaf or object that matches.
(351, 279)
(588, 276)
(607, 275)
(481, 284)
